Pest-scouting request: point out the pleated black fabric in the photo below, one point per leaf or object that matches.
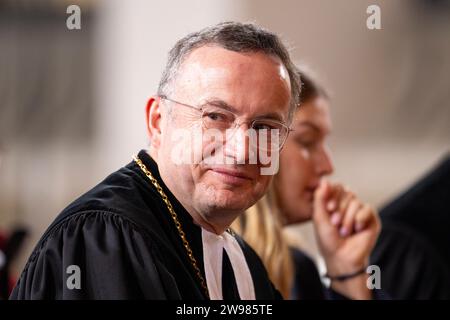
(413, 250)
(126, 246)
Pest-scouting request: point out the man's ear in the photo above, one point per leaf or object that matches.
(153, 120)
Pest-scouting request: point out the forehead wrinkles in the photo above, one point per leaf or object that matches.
(197, 74)
(213, 61)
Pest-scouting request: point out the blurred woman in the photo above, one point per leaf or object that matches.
(346, 228)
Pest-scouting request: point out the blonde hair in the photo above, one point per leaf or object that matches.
(261, 227)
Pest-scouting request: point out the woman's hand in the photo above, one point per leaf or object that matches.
(346, 230)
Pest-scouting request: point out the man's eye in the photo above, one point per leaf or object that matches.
(262, 126)
(215, 116)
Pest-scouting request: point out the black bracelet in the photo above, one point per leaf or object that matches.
(344, 277)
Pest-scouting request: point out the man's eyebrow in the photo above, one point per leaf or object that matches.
(222, 104)
(271, 115)
(219, 103)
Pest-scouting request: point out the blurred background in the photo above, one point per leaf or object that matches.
(72, 101)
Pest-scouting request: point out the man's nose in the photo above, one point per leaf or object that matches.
(237, 144)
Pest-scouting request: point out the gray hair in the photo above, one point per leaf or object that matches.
(234, 36)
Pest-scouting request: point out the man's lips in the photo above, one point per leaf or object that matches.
(231, 175)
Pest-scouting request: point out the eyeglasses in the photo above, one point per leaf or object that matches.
(218, 118)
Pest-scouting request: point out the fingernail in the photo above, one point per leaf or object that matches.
(343, 231)
(359, 226)
(335, 218)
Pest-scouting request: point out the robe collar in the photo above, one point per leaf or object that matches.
(207, 247)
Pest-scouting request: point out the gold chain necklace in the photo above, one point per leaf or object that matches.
(176, 221)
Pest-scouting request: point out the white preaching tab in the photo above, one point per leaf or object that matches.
(213, 246)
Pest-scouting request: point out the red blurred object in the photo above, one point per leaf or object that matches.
(10, 244)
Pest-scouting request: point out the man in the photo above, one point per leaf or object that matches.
(158, 228)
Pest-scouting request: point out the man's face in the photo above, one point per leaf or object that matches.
(255, 86)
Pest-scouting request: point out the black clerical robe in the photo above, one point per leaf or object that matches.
(413, 249)
(121, 242)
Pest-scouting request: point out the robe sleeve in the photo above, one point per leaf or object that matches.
(411, 267)
(307, 284)
(93, 255)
